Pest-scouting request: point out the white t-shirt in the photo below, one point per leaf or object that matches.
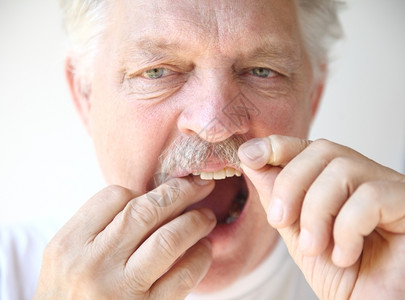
(276, 278)
(21, 248)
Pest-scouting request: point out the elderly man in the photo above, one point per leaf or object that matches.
(199, 113)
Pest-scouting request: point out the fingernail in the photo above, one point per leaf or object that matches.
(254, 150)
(275, 211)
(305, 241)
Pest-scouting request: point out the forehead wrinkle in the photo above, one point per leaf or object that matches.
(188, 39)
(169, 29)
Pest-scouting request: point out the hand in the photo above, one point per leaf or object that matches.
(341, 215)
(121, 245)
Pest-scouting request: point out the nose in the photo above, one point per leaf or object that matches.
(217, 110)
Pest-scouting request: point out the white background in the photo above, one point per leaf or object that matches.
(47, 164)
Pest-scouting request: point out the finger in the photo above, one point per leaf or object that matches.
(185, 275)
(326, 196)
(144, 214)
(275, 150)
(263, 180)
(153, 258)
(96, 213)
(297, 177)
(374, 204)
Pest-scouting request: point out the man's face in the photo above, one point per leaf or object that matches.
(171, 69)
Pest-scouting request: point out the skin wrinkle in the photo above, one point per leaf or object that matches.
(130, 137)
(288, 52)
(151, 52)
(85, 37)
(153, 93)
(269, 48)
(157, 47)
(141, 130)
(269, 93)
(154, 51)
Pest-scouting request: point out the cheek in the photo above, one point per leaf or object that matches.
(284, 115)
(128, 141)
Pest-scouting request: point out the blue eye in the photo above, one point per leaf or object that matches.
(262, 72)
(155, 73)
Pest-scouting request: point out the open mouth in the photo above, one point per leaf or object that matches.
(191, 155)
(229, 196)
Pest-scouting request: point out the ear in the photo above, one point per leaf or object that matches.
(317, 92)
(80, 92)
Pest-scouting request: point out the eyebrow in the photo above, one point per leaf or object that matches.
(287, 56)
(151, 45)
(148, 50)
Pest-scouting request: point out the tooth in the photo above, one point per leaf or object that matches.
(230, 219)
(230, 172)
(207, 175)
(236, 209)
(220, 174)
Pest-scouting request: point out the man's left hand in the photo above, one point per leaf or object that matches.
(341, 215)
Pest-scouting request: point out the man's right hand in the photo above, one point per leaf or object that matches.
(122, 245)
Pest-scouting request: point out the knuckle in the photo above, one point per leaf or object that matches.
(136, 282)
(59, 256)
(143, 213)
(168, 242)
(196, 219)
(322, 149)
(322, 144)
(186, 279)
(194, 222)
(341, 165)
(370, 191)
(54, 249)
(176, 188)
(304, 143)
(167, 194)
(60, 245)
(117, 192)
(343, 169)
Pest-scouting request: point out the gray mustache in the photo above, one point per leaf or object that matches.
(189, 153)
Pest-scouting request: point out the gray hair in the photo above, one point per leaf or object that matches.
(85, 22)
(320, 29)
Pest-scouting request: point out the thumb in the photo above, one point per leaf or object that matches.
(262, 159)
(275, 150)
(263, 180)
(259, 156)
